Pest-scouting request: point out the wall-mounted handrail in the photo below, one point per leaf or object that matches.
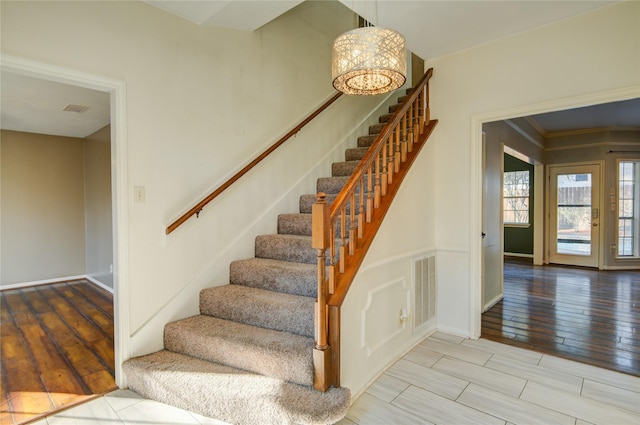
(200, 205)
(343, 233)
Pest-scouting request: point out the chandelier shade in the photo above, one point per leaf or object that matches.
(368, 61)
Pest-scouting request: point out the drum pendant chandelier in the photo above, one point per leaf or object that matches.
(368, 61)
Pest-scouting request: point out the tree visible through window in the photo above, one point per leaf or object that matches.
(628, 208)
(515, 194)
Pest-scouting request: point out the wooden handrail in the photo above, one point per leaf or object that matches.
(347, 229)
(200, 205)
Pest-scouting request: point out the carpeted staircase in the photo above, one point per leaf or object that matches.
(247, 358)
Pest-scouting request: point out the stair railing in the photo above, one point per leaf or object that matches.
(195, 210)
(355, 215)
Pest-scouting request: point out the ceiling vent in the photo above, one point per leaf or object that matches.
(76, 108)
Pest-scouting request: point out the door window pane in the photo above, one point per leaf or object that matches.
(574, 214)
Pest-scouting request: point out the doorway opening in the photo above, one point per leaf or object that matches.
(548, 156)
(118, 160)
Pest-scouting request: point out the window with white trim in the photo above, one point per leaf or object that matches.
(628, 208)
(515, 197)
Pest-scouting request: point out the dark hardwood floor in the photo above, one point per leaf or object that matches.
(582, 314)
(56, 348)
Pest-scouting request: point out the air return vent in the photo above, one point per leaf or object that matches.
(75, 108)
(425, 300)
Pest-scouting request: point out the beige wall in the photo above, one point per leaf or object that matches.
(42, 214)
(97, 194)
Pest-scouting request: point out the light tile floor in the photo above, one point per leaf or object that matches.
(443, 380)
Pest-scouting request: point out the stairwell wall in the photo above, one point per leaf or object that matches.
(201, 102)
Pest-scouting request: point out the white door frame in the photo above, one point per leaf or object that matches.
(596, 203)
(119, 183)
(475, 233)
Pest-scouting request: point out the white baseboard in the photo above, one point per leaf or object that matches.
(621, 268)
(517, 254)
(453, 331)
(56, 280)
(493, 302)
(100, 284)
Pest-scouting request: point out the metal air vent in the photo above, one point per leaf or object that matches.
(75, 108)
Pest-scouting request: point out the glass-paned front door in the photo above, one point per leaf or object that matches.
(575, 215)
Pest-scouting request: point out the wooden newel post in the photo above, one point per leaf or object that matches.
(320, 240)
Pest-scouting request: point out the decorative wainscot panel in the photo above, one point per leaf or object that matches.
(385, 314)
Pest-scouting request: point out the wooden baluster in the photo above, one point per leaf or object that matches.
(412, 126)
(370, 190)
(390, 160)
(320, 226)
(384, 163)
(343, 238)
(332, 253)
(397, 155)
(420, 110)
(404, 137)
(361, 208)
(416, 120)
(377, 188)
(352, 223)
(427, 112)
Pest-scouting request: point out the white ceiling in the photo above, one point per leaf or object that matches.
(431, 29)
(37, 106)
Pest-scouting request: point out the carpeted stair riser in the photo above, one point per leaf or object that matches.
(272, 353)
(355, 154)
(286, 248)
(273, 275)
(366, 141)
(306, 201)
(331, 184)
(340, 169)
(231, 395)
(259, 307)
(298, 224)
(376, 128)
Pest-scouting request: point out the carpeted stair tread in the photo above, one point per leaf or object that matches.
(306, 201)
(366, 141)
(259, 307)
(376, 128)
(274, 275)
(331, 184)
(286, 248)
(268, 352)
(355, 154)
(343, 168)
(231, 395)
(298, 224)
(384, 118)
